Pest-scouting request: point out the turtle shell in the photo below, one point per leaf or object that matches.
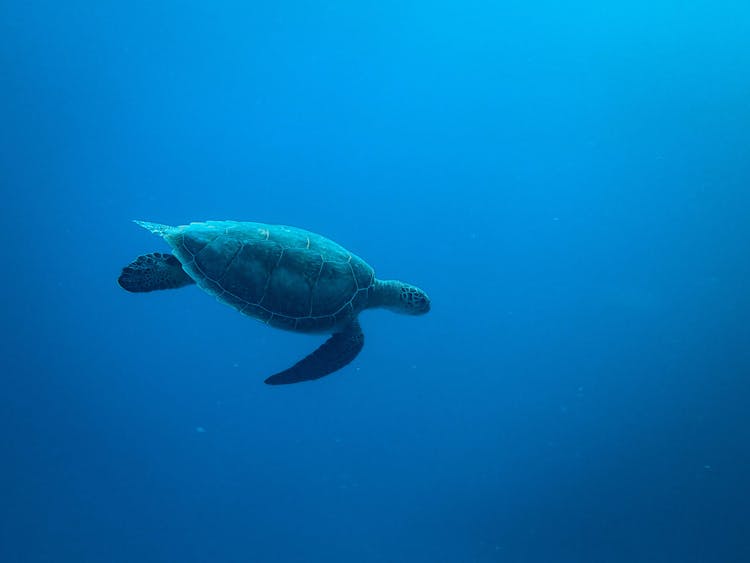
(287, 277)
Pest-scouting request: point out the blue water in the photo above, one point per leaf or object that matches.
(570, 182)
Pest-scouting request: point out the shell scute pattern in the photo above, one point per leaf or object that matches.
(345, 314)
(217, 257)
(289, 237)
(335, 281)
(287, 277)
(195, 241)
(247, 276)
(292, 282)
(360, 299)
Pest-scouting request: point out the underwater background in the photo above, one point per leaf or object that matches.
(570, 183)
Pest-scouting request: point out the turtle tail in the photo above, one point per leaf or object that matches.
(156, 228)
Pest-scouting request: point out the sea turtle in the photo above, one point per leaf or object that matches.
(287, 277)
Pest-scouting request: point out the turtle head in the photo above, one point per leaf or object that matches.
(413, 301)
(399, 297)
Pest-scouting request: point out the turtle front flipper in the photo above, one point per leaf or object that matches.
(333, 354)
(153, 271)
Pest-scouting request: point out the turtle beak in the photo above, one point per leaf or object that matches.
(422, 304)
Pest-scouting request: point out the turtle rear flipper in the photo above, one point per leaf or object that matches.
(153, 271)
(332, 355)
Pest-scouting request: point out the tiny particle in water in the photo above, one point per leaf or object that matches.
(200, 429)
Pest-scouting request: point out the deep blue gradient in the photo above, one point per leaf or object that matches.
(570, 182)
